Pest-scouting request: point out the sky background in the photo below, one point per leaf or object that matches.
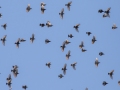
(32, 57)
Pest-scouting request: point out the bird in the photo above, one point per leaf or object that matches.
(88, 33)
(106, 15)
(4, 26)
(76, 27)
(0, 15)
(67, 42)
(119, 82)
(100, 11)
(68, 5)
(60, 76)
(17, 43)
(32, 38)
(43, 4)
(108, 10)
(47, 41)
(68, 55)
(104, 83)
(24, 87)
(81, 45)
(48, 64)
(15, 70)
(93, 39)
(111, 73)
(9, 77)
(42, 9)
(61, 13)
(64, 69)
(28, 8)
(42, 24)
(83, 50)
(70, 35)
(63, 46)
(73, 65)
(22, 40)
(9, 83)
(48, 24)
(86, 88)
(101, 53)
(114, 26)
(96, 62)
(4, 39)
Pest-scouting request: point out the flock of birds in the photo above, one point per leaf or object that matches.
(63, 46)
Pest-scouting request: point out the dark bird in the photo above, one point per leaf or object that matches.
(24, 87)
(104, 83)
(22, 40)
(48, 24)
(111, 73)
(119, 82)
(114, 26)
(93, 40)
(73, 65)
(42, 24)
(9, 83)
(61, 13)
(86, 88)
(0, 15)
(101, 53)
(106, 15)
(76, 27)
(15, 70)
(70, 35)
(3, 39)
(4, 26)
(60, 76)
(47, 41)
(68, 5)
(9, 77)
(32, 38)
(63, 46)
(42, 4)
(64, 69)
(96, 62)
(48, 64)
(68, 55)
(17, 43)
(107, 11)
(81, 45)
(100, 11)
(67, 42)
(83, 50)
(88, 33)
(42, 9)
(28, 8)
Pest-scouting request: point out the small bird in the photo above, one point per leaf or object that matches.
(93, 40)
(114, 26)
(68, 5)
(17, 43)
(32, 38)
(106, 15)
(24, 87)
(104, 83)
(60, 76)
(63, 46)
(9, 83)
(70, 35)
(64, 69)
(88, 33)
(96, 62)
(83, 50)
(28, 8)
(61, 13)
(101, 53)
(42, 4)
(42, 9)
(15, 70)
(86, 88)
(68, 55)
(3, 39)
(100, 11)
(76, 27)
(47, 41)
(73, 65)
(42, 24)
(107, 11)
(4, 26)
(48, 24)
(0, 15)
(22, 40)
(81, 45)
(111, 73)
(67, 42)
(119, 82)
(48, 64)
(9, 77)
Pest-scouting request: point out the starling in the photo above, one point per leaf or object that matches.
(48, 24)
(114, 26)
(0, 15)
(101, 53)
(100, 11)
(47, 41)
(93, 40)
(42, 4)
(42, 9)
(61, 13)
(96, 62)
(32, 38)
(73, 65)
(104, 83)
(3, 39)
(76, 27)
(107, 11)
(83, 50)
(81, 45)
(24, 87)
(106, 15)
(64, 69)
(17, 43)
(70, 35)
(68, 55)
(63, 46)
(111, 73)
(4, 26)
(68, 5)
(28, 8)
(60, 76)
(88, 33)
(48, 64)
(42, 24)
(22, 40)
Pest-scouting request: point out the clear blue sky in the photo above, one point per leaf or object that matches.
(31, 58)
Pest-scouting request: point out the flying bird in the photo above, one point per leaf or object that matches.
(48, 64)
(107, 11)
(28, 8)
(76, 27)
(67, 42)
(22, 40)
(114, 26)
(4, 26)
(106, 15)
(100, 11)
(42, 4)
(63, 46)
(111, 73)
(24, 87)
(104, 83)
(17, 43)
(60, 76)
(48, 24)
(42, 24)
(96, 62)
(68, 5)
(15, 70)
(0, 15)
(93, 39)
(4, 39)
(9, 83)
(101, 53)
(83, 50)
(81, 45)
(9, 77)
(61, 13)
(68, 55)
(88, 33)
(32, 38)
(47, 41)
(70, 35)
(119, 82)
(42, 9)
(64, 69)
(73, 65)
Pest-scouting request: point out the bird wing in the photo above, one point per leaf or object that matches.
(70, 2)
(77, 24)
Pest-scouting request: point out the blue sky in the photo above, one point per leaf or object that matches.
(32, 57)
